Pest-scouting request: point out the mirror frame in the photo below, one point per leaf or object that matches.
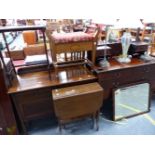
(126, 86)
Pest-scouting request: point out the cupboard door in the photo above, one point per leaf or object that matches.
(34, 103)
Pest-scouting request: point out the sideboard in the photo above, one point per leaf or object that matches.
(119, 74)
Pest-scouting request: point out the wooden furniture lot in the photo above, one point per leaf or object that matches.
(122, 74)
(31, 92)
(78, 101)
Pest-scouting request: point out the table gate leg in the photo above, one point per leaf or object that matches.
(97, 120)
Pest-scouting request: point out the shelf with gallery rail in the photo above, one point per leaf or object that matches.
(18, 29)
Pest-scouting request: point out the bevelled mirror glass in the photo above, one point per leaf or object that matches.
(131, 100)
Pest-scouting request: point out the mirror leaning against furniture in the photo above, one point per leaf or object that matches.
(127, 106)
(60, 76)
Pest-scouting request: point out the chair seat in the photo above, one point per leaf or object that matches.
(71, 37)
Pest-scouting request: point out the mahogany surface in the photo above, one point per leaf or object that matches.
(119, 74)
(31, 92)
(67, 75)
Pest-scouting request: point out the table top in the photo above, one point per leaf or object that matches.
(68, 76)
(76, 90)
(140, 43)
(115, 65)
(65, 76)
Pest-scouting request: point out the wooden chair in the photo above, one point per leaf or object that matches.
(71, 47)
(152, 45)
(52, 26)
(151, 38)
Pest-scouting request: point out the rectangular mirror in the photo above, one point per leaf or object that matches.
(131, 100)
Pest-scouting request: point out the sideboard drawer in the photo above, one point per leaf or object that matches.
(114, 79)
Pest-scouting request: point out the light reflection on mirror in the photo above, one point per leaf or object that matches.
(131, 100)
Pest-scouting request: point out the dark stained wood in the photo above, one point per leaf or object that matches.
(31, 92)
(33, 104)
(115, 48)
(138, 48)
(122, 74)
(7, 119)
(77, 101)
(21, 28)
(65, 76)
